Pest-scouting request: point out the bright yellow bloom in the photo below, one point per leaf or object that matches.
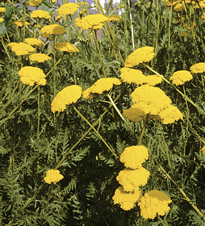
(34, 2)
(198, 68)
(134, 156)
(134, 114)
(39, 57)
(114, 18)
(127, 200)
(141, 55)
(21, 49)
(12, 44)
(82, 23)
(30, 75)
(87, 94)
(68, 9)
(152, 203)
(180, 77)
(179, 7)
(153, 80)
(53, 176)
(99, 26)
(66, 47)
(40, 14)
(200, 4)
(2, 9)
(20, 23)
(132, 76)
(133, 178)
(1, 19)
(65, 97)
(151, 100)
(58, 17)
(33, 42)
(203, 150)
(53, 29)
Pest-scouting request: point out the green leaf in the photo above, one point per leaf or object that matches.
(2, 29)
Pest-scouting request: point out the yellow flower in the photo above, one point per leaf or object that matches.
(53, 176)
(200, 4)
(67, 9)
(151, 100)
(141, 55)
(12, 44)
(99, 26)
(2, 9)
(53, 29)
(153, 80)
(66, 47)
(1, 19)
(127, 200)
(30, 75)
(58, 17)
(39, 57)
(33, 42)
(152, 203)
(34, 2)
(132, 76)
(114, 18)
(82, 23)
(203, 150)
(65, 97)
(87, 93)
(170, 114)
(22, 49)
(198, 68)
(133, 178)
(183, 34)
(179, 7)
(180, 77)
(134, 114)
(40, 14)
(134, 156)
(20, 23)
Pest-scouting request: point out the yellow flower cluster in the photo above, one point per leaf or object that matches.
(39, 57)
(198, 68)
(65, 97)
(153, 80)
(34, 2)
(30, 75)
(33, 42)
(180, 77)
(114, 18)
(21, 48)
(203, 150)
(40, 14)
(68, 9)
(141, 55)
(101, 85)
(152, 203)
(134, 114)
(53, 176)
(52, 29)
(20, 23)
(66, 47)
(2, 9)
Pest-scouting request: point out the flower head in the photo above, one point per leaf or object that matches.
(40, 14)
(33, 42)
(34, 2)
(134, 114)
(65, 97)
(141, 55)
(39, 57)
(53, 176)
(1, 19)
(180, 77)
(127, 200)
(134, 156)
(154, 202)
(2, 9)
(114, 18)
(132, 76)
(21, 48)
(66, 47)
(21, 23)
(52, 29)
(67, 9)
(203, 150)
(198, 68)
(153, 80)
(30, 75)
(133, 178)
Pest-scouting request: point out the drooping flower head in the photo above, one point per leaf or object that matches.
(52, 29)
(53, 176)
(198, 68)
(180, 77)
(154, 202)
(40, 14)
(66, 47)
(132, 76)
(21, 48)
(65, 97)
(39, 57)
(30, 75)
(33, 42)
(68, 9)
(141, 55)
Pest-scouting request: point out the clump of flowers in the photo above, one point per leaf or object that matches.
(66, 47)
(141, 55)
(68, 9)
(180, 77)
(198, 68)
(52, 29)
(153, 80)
(21, 48)
(53, 176)
(30, 75)
(39, 57)
(65, 97)
(127, 200)
(40, 14)
(152, 203)
(21, 23)
(132, 76)
(34, 42)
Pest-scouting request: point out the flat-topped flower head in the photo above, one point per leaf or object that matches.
(141, 55)
(82, 23)
(65, 97)
(39, 57)
(34, 42)
(34, 2)
(40, 14)
(21, 49)
(153, 80)
(53, 176)
(133, 178)
(127, 200)
(203, 150)
(30, 75)
(132, 76)
(198, 68)
(180, 77)
(11, 44)
(114, 18)
(2, 9)
(154, 203)
(66, 47)
(134, 156)
(68, 9)
(21, 23)
(149, 99)
(134, 114)
(52, 29)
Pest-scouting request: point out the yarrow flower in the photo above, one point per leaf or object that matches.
(30, 75)
(33, 42)
(53, 176)
(66, 47)
(1, 19)
(114, 18)
(180, 77)
(134, 114)
(132, 76)
(65, 97)
(68, 9)
(153, 80)
(152, 203)
(34, 2)
(141, 55)
(2, 9)
(53, 29)
(40, 14)
(131, 179)
(21, 48)
(127, 200)
(134, 156)
(21, 23)
(198, 68)
(39, 57)
(203, 150)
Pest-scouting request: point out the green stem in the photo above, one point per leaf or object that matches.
(143, 130)
(38, 112)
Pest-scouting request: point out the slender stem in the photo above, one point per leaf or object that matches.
(143, 130)
(38, 125)
(131, 25)
(2, 41)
